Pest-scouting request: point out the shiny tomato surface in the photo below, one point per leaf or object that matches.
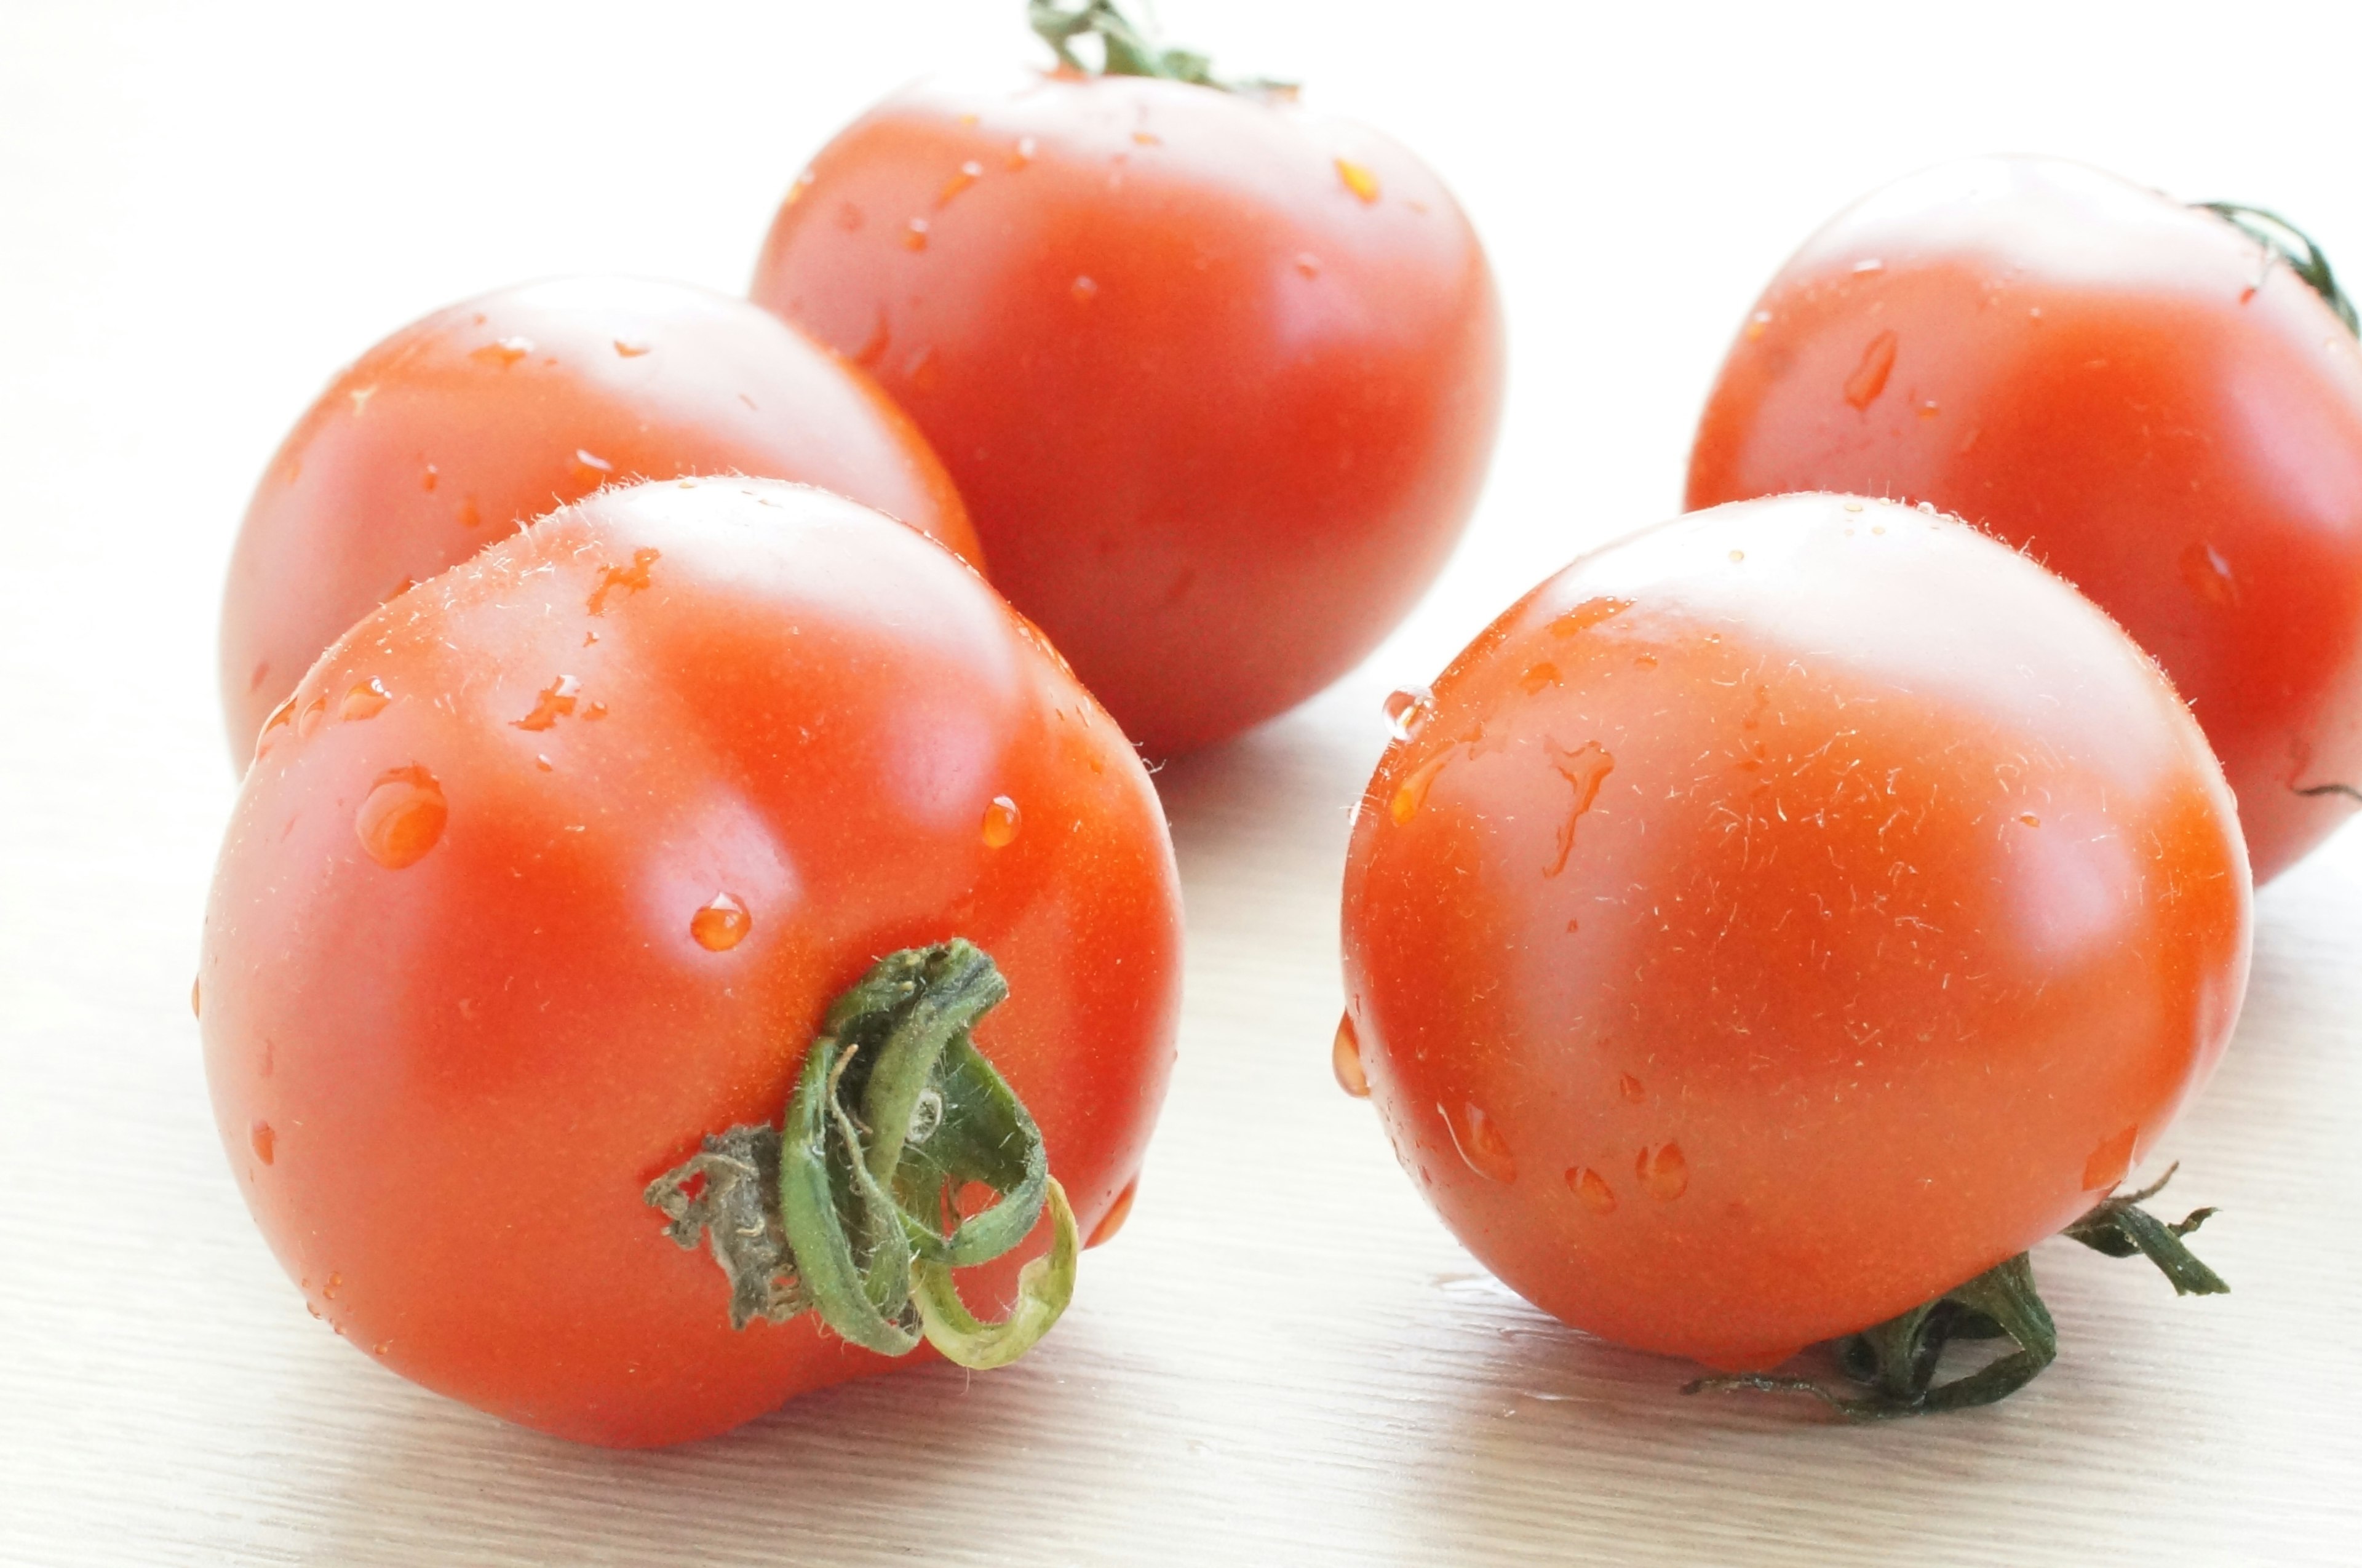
(1217, 377)
(460, 428)
(2130, 388)
(557, 865)
(1780, 916)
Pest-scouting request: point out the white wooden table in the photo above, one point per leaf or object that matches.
(1285, 1358)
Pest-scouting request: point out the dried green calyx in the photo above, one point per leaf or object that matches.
(852, 1209)
(1126, 48)
(2291, 244)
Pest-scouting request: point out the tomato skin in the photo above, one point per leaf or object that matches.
(1218, 418)
(1907, 907)
(2119, 384)
(463, 426)
(444, 1087)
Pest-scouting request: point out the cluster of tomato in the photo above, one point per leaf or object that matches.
(689, 935)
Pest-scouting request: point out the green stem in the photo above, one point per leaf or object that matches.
(1895, 1362)
(2291, 244)
(1127, 50)
(895, 1112)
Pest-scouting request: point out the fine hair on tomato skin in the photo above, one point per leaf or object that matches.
(624, 803)
(458, 429)
(1783, 915)
(2142, 391)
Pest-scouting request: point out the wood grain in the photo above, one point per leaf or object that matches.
(1283, 1358)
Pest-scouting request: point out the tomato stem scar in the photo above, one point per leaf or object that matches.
(849, 1210)
(1896, 1360)
(1127, 50)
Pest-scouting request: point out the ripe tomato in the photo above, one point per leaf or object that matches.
(555, 870)
(460, 428)
(1780, 917)
(1218, 377)
(2136, 392)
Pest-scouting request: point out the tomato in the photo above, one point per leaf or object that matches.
(2136, 391)
(460, 428)
(1218, 377)
(1780, 917)
(554, 870)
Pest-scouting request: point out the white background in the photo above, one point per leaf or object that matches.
(205, 210)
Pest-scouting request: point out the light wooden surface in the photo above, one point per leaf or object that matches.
(1284, 1359)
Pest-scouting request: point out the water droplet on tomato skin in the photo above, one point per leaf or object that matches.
(1587, 615)
(1479, 1144)
(1022, 154)
(366, 700)
(1083, 289)
(329, 1291)
(1412, 793)
(1631, 1089)
(1757, 323)
(196, 997)
(721, 925)
(309, 718)
(968, 174)
(401, 818)
(1002, 820)
(1868, 377)
(1592, 1188)
(503, 353)
(1359, 180)
(1408, 711)
(2029, 818)
(1664, 1171)
(1117, 1212)
(914, 235)
(1345, 1059)
(426, 481)
(555, 702)
(629, 350)
(2206, 574)
(264, 1141)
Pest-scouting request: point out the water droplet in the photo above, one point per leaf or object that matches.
(1868, 377)
(361, 396)
(1929, 507)
(1644, 661)
(265, 1141)
(2029, 818)
(1928, 408)
(630, 351)
(1345, 1059)
(1664, 1171)
(429, 478)
(1586, 768)
(1307, 263)
(1631, 1089)
(469, 515)
(722, 925)
(1117, 1212)
(1358, 179)
(2208, 575)
(1023, 153)
(1869, 264)
(366, 700)
(629, 578)
(1757, 323)
(380, 1348)
(402, 817)
(967, 174)
(281, 717)
(1587, 615)
(914, 235)
(1000, 822)
(1853, 506)
(1408, 711)
(923, 372)
(329, 1291)
(593, 712)
(1538, 677)
(1737, 557)
(1084, 291)
(1147, 139)
(504, 353)
(1412, 793)
(1479, 1144)
(556, 701)
(593, 462)
(197, 997)
(1592, 1188)
(2110, 1160)
(308, 718)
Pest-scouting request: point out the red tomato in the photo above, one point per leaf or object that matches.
(556, 868)
(2133, 391)
(1218, 377)
(458, 429)
(1780, 917)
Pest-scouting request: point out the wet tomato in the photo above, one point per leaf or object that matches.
(1218, 377)
(460, 428)
(1780, 917)
(2141, 394)
(553, 869)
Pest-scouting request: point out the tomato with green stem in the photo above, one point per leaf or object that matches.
(461, 428)
(1218, 377)
(1777, 922)
(648, 887)
(2162, 403)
